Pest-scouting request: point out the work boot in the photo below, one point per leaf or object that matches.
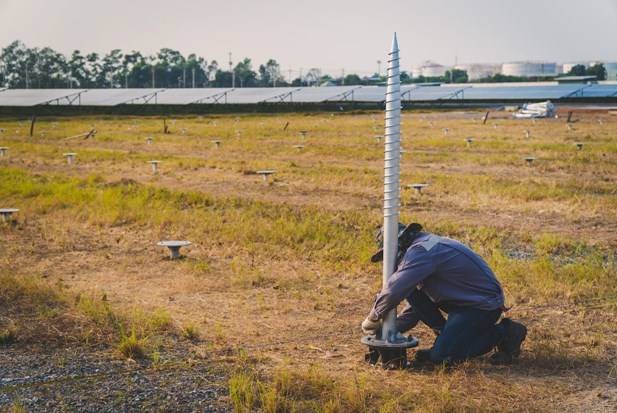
(500, 358)
(423, 355)
(514, 336)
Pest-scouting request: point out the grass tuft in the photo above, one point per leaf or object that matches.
(132, 347)
(190, 332)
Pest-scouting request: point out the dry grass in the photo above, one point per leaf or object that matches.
(281, 271)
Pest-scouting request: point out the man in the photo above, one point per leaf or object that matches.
(437, 274)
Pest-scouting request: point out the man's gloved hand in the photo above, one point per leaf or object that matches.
(371, 327)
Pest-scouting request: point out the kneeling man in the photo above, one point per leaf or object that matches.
(437, 276)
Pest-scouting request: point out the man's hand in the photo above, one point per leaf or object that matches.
(371, 327)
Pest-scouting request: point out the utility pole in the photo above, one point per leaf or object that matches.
(184, 77)
(126, 79)
(153, 78)
(379, 68)
(193, 78)
(233, 74)
(27, 78)
(301, 83)
(289, 75)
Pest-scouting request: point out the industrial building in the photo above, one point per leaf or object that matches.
(477, 71)
(529, 69)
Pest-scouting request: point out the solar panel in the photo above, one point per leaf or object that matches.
(32, 97)
(258, 95)
(520, 92)
(187, 96)
(323, 94)
(113, 97)
(370, 94)
(429, 93)
(599, 91)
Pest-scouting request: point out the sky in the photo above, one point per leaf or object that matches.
(332, 35)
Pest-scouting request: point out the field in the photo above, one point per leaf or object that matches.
(263, 312)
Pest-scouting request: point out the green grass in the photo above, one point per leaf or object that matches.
(339, 242)
(263, 227)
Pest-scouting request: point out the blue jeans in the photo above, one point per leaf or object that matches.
(467, 333)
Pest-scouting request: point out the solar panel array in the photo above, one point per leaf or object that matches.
(376, 94)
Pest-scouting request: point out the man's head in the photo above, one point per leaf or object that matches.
(406, 236)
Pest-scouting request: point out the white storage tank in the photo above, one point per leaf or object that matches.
(432, 69)
(416, 72)
(529, 69)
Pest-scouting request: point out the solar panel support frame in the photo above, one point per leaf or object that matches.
(578, 92)
(70, 99)
(146, 99)
(458, 94)
(344, 96)
(281, 98)
(215, 98)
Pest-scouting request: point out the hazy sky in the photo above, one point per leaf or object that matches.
(330, 34)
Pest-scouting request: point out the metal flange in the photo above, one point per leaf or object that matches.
(391, 355)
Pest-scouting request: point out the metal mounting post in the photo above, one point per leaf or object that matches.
(390, 347)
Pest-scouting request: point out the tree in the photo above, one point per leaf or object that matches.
(405, 78)
(211, 70)
(50, 69)
(197, 68)
(456, 76)
(270, 73)
(112, 68)
(223, 78)
(313, 76)
(352, 79)
(18, 63)
(170, 68)
(78, 74)
(598, 70)
(245, 74)
(136, 71)
(94, 69)
(578, 70)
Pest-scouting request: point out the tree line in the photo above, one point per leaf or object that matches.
(30, 68)
(25, 67)
(36, 68)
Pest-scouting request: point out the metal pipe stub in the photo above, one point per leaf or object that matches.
(174, 247)
(390, 355)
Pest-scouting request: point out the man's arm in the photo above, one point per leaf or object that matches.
(416, 266)
(407, 319)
